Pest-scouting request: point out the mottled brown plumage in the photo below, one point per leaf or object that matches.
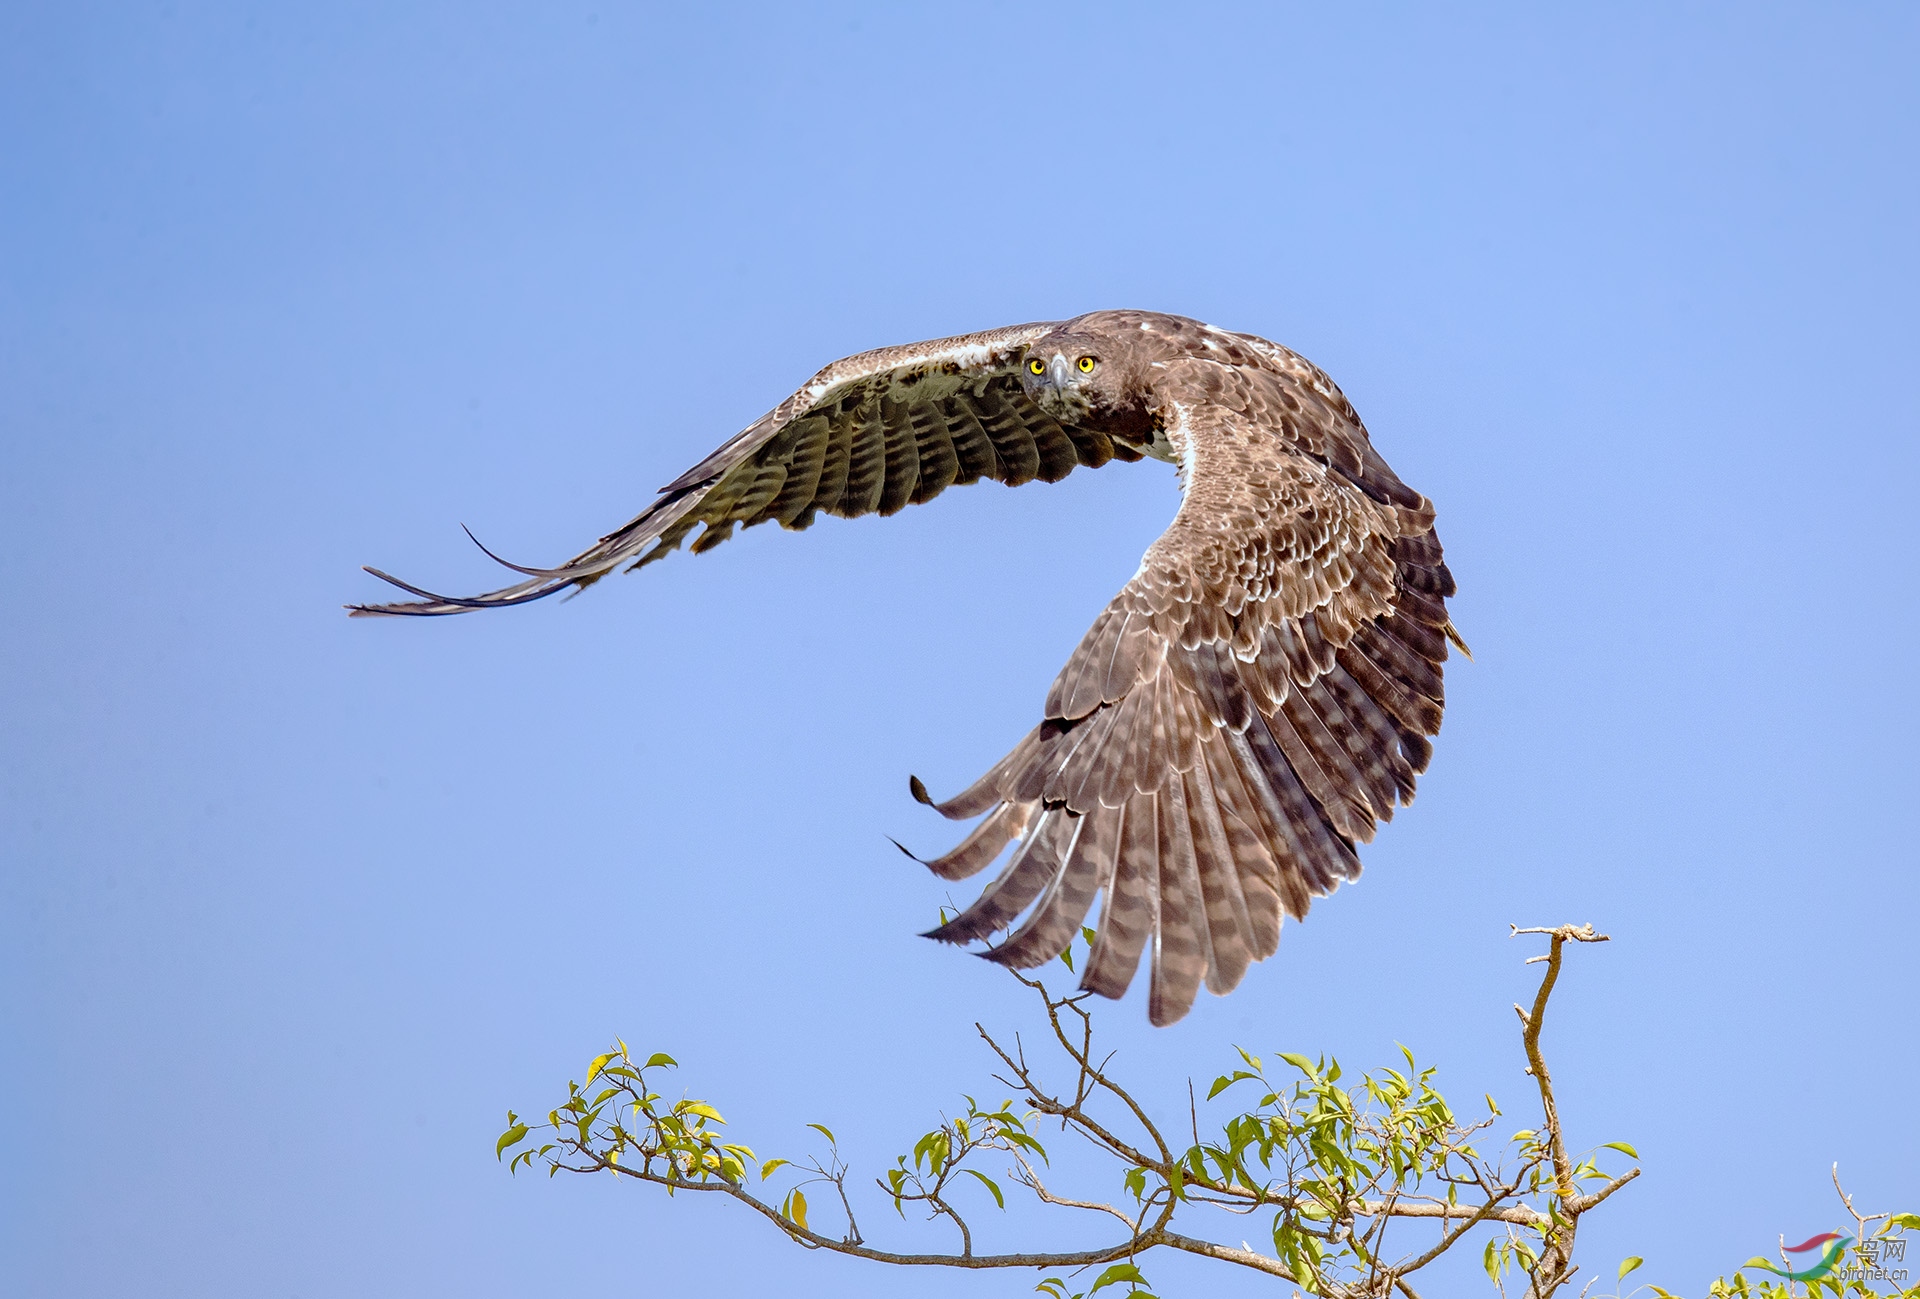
(1243, 713)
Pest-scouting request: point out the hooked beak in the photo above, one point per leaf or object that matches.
(1057, 372)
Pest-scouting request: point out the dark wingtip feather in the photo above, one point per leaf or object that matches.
(408, 587)
(507, 563)
(429, 597)
(920, 795)
(903, 848)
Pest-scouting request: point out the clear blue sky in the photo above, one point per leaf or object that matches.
(293, 908)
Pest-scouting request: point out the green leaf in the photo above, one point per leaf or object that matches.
(512, 1136)
(799, 1209)
(1622, 1147)
(1901, 1222)
(1491, 1260)
(767, 1169)
(1220, 1084)
(659, 1058)
(823, 1130)
(1114, 1275)
(1627, 1265)
(1301, 1063)
(701, 1108)
(1066, 956)
(593, 1069)
(988, 1182)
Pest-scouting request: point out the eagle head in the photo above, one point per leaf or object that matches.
(1088, 380)
(1069, 376)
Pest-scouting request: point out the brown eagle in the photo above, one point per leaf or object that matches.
(1242, 713)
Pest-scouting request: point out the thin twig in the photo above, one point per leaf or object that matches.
(1032, 1181)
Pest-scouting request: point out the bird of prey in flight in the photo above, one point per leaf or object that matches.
(1254, 700)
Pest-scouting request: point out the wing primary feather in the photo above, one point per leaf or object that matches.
(1415, 667)
(1412, 641)
(1128, 915)
(1154, 719)
(1073, 781)
(1366, 780)
(990, 788)
(1228, 926)
(1059, 743)
(1373, 732)
(1407, 708)
(1182, 948)
(1073, 693)
(1321, 854)
(505, 563)
(478, 602)
(1060, 911)
(1027, 872)
(1417, 748)
(1258, 839)
(1254, 861)
(1210, 670)
(1322, 765)
(1418, 605)
(972, 854)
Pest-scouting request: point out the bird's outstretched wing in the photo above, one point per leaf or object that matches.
(1242, 713)
(869, 434)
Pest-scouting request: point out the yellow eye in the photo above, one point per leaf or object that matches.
(1086, 365)
(1036, 366)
